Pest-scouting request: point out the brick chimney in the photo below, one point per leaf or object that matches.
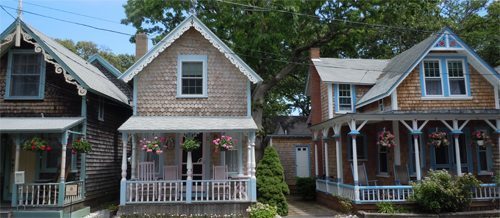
(314, 53)
(141, 45)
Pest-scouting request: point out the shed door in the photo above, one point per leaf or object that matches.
(302, 161)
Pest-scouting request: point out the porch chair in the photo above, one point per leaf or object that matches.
(363, 176)
(171, 186)
(401, 175)
(220, 188)
(146, 171)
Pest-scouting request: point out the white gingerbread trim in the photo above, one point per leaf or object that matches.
(178, 32)
(8, 39)
(58, 68)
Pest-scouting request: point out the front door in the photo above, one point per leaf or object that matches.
(302, 160)
(197, 157)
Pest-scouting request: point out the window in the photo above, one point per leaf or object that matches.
(381, 105)
(100, 109)
(383, 163)
(421, 147)
(344, 98)
(456, 77)
(232, 160)
(361, 147)
(192, 76)
(484, 157)
(25, 75)
(432, 77)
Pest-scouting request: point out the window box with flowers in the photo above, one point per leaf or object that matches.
(224, 143)
(81, 146)
(438, 139)
(36, 144)
(481, 137)
(386, 139)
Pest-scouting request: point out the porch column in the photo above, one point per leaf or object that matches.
(315, 141)
(253, 180)
(325, 141)
(240, 155)
(416, 134)
(64, 143)
(338, 157)
(353, 133)
(249, 155)
(133, 164)
(17, 141)
(123, 182)
(456, 131)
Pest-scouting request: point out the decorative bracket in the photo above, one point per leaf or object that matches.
(8, 39)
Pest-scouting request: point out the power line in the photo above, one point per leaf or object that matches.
(7, 12)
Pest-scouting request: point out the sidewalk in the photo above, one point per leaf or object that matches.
(298, 208)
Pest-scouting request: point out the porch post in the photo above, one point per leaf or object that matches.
(189, 181)
(456, 133)
(249, 155)
(64, 142)
(123, 182)
(325, 141)
(315, 140)
(253, 180)
(353, 133)
(416, 134)
(133, 164)
(240, 155)
(338, 157)
(17, 141)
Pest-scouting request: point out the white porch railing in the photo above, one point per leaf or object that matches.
(342, 190)
(75, 198)
(163, 191)
(37, 194)
(385, 193)
(486, 192)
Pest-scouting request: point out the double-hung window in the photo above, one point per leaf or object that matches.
(344, 98)
(25, 75)
(456, 77)
(432, 78)
(383, 163)
(192, 76)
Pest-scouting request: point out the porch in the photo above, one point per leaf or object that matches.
(173, 176)
(385, 174)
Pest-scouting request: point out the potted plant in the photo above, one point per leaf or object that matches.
(480, 137)
(81, 146)
(438, 139)
(386, 139)
(153, 145)
(36, 144)
(224, 143)
(190, 144)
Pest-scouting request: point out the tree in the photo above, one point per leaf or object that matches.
(271, 186)
(85, 49)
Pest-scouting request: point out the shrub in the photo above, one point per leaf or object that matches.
(306, 188)
(440, 192)
(345, 205)
(260, 210)
(271, 186)
(388, 207)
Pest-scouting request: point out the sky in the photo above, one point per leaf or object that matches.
(109, 12)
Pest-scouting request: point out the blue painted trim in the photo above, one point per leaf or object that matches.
(411, 153)
(354, 132)
(123, 192)
(112, 69)
(308, 159)
(456, 132)
(422, 79)
(444, 76)
(415, 132)
(41, 82)
(336, 98)
(449, 165)
(468, 142)
(445, 81)
(60, 195)
(489, 156)
(467, 76)
(353, 98)
(253, 193)
(189, 191)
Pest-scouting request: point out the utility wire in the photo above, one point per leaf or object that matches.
(1, 6)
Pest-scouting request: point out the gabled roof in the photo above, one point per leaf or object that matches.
(353, 71)
(112, 69)
(168, 40)
(76, 70)
(401, 65)
(293, 125)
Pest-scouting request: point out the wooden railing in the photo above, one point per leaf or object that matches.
(342, 190)
(79, 194)
(397, 193)
(486, 192)
(163, 191)
(37, 194)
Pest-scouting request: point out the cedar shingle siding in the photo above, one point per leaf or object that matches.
(157, 89)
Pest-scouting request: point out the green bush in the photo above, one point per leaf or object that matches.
(271, 186)
(388, 207)
(306, 187)
(345, 205)
(260, 210)
(440, 192)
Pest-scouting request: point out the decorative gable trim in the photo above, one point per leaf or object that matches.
(105, 64)
(168, 40)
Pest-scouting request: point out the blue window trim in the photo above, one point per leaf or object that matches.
(489, 161)
(365, 145)
(378, 161)
(411, 154)
(192, 58)
(41, 87)
(308, 159)
(353, 97)
(445, 82)
(449, 165)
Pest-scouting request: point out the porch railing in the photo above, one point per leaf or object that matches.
(400, 193)
(38, 194)
(163, 191)
(79, 194)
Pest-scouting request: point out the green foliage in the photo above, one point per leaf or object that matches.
(36, 144)
(163, 215)
(260, 210)
(190, 144)
(345, 205)
(271, 186)
(496, 179)
(441, 192)
(388, 207)
(81, 146)
(306, 187)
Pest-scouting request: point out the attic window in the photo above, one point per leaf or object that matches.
(25, 75)
(344, 98)
(192, 76)
(432, 75)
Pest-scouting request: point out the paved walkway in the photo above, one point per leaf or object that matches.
(298, 208)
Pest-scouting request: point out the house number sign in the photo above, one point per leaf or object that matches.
(71, 190)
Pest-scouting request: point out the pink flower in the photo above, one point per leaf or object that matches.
(163, 139)
(159, 151)
(149, 150)
(155, 145)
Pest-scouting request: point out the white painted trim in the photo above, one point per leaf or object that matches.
(337, 100)
(424, 89)
(394, 100)
(464, 77)
(453, 98)
(497, 97)
(192, 58)
(330, 100)
(397, 148)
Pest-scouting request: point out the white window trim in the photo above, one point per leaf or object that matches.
(100, 109)
(440, 77)
(340, 111)
(464, 77)
(193, 58)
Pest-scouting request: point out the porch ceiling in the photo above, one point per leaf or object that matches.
(490, 114)
(37, 124)
(138, 124)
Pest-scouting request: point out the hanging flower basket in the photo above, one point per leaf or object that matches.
(190, 145)
(36, 144)
(386, 139)
(224, 143)
(438, 139)
(151, 145)
(81, 146)
(480, 137)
